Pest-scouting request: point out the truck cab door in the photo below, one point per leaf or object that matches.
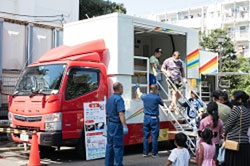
(82, 85)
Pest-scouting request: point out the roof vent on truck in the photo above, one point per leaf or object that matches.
(75, 52)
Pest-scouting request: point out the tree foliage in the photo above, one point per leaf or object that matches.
(93, 8)
(244, 80)
(230, 62)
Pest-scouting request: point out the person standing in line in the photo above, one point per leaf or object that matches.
(223, 110)
(154, 66)
(116, 127)
(151, 121)
(180, 155)
(213, 123)
(225, 100)
(207, 155)
(236, 130)
(173, 69)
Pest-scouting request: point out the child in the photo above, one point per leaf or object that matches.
(207, 154)
(180, 155)
(196, 106)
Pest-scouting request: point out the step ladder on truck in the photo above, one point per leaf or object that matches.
(184, 125)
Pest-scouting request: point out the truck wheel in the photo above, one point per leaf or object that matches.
(80, 147)
(46, 149)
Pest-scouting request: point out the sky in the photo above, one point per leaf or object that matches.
(148, 7)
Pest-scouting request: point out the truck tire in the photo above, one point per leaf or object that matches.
(46, 149)
(80, 147)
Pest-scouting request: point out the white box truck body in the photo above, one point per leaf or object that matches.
(130, 41)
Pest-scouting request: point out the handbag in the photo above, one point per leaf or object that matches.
(221, 155)
(234, 145)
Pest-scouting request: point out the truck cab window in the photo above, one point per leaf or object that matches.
(80, 82)
(43, 78)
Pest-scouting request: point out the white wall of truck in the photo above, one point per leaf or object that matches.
(117, 30)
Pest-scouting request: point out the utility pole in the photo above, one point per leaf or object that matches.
(220, 41)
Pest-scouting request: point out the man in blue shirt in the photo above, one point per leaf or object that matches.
(116, 127)
(151, 121)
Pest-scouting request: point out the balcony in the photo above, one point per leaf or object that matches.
(228, 19)
(242, 16)
(242, 36)
(191, 22)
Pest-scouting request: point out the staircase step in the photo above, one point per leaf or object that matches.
(186, 127)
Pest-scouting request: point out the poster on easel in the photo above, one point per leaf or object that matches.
(94, 123)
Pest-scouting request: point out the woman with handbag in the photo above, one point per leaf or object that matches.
(237, 145)
(213, 123)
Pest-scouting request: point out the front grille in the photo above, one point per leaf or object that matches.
(28, 119)
(28, 128)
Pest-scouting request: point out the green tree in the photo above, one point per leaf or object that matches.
(93, 8)
(244, 80)
(230, 62)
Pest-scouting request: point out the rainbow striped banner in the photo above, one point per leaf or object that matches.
(140, 111)
(193, 59)
(210, 67)
(163, 29)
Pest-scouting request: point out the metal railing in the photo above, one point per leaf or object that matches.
(174, 121)
(142, 72)
(8, 87)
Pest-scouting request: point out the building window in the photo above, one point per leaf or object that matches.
(81, 81)
(205, 14)
(243, 28)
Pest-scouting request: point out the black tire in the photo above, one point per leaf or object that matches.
(80, 147)
(169, 145)
(45, 150)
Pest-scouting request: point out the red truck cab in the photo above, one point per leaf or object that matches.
(50, 93)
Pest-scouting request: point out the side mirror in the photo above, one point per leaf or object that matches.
(1, 83)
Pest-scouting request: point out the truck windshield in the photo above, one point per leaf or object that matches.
(45, 79)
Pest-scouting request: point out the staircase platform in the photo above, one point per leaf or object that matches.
(190, 134)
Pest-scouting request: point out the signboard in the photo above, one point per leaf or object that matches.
(193, 64)
(208, 62)
(163, 135)
(94, 122)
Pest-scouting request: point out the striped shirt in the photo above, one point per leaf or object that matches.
(233, 130)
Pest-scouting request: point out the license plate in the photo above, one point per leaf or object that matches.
(24, 137)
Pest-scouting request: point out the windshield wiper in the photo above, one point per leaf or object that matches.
(34, 93)
(15, 93)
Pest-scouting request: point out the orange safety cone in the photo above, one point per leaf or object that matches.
(34, 159)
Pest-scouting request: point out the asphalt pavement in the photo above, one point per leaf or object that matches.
(67, 157)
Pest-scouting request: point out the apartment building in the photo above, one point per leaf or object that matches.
(233, 15)
(28, 29)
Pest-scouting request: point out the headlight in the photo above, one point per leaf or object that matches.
(10, 119)
(53, 122)
(9, 116)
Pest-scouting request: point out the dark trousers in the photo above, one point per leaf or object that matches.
(115, 147)
(152, 79)
(151, 124)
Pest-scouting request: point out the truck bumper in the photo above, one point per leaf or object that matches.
(44, 138)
